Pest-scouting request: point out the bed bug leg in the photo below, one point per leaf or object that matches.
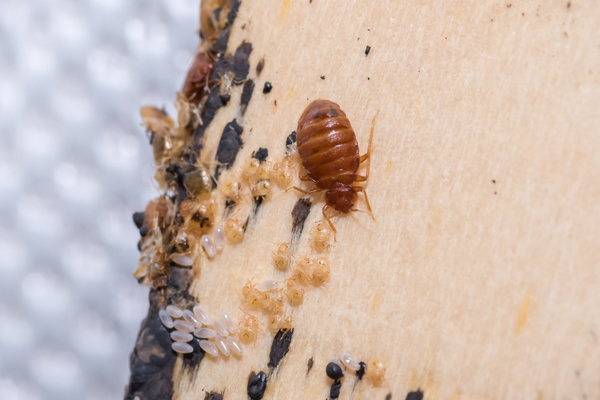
(367, 156)
(315, 190)
(325, 208)
(362, 189)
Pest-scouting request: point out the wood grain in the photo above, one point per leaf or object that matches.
(480, 278)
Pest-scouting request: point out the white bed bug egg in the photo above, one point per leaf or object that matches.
(208, 245)
(174, 311)
(182, 337)
(216, 324)
(201, 315)
(219, 238)
(234, 345)
(182, 259)
(227, 321)
(182, 348)
(266, 286)
(221, 345)
(349, 362)
(335, 360)
(165, 318)
(190, 318)
(204, 333)
(183, 326)
(209, 348)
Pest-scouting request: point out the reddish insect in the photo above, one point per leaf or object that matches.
(196, 80)
(329, 152)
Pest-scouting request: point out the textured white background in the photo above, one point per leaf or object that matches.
(74, 165)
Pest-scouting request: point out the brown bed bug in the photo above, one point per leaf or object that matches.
(329, 153)
(196, 81)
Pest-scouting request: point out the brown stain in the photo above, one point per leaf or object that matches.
(456, 395)
(289, 93)
(523, 312)
(375, 302)
(285, 9)
(389, 165)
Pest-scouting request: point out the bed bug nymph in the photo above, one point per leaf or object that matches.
(329, 152)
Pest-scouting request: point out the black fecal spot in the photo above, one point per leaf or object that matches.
(291, 139)
(213, 103)
(229, 145)
(257, 383)
(220, 45)
(217, 13)
(493, 181)
(138, 219)
(241, 67)
(388, 396)
(334, 393)
(323, 77)
(229, 203)
(267, 88)
(299, 215)
(152, 359)
(334, 371)
(261, 154)
(311, 362)
(192, 359)
(139, 245)
(246, 95)
(418, 395)
(367, 50)
(280, 347)
(143, 231)
(361, 371)
(275, 102)
(258, 200)
(260, 66)
(234, 11)
(213, 396)
(225, 99)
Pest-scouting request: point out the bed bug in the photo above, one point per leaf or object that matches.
(282, 257)
(196, 81)
(329, 153)
(248, 328)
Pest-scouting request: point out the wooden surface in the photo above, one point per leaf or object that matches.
(480, 278)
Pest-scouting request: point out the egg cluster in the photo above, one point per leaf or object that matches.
(215, 334)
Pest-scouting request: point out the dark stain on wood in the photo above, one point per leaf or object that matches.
(334, 392)
(280, 347)
(260, 66)
(257, 384)
(299, 214)
(310, 364)
(388, 396)
(367, 50)
(246, 95)
(361, 371)
(290, 140)
(229, 145)
(213, 396)
(418, 395)
(261, 154)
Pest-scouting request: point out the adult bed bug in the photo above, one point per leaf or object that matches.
(329, 153)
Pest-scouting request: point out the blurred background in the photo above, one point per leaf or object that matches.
(74, 165)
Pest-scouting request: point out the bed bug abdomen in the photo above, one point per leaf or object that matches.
(327, 144)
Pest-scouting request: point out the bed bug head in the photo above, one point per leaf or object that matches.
(341, 197)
